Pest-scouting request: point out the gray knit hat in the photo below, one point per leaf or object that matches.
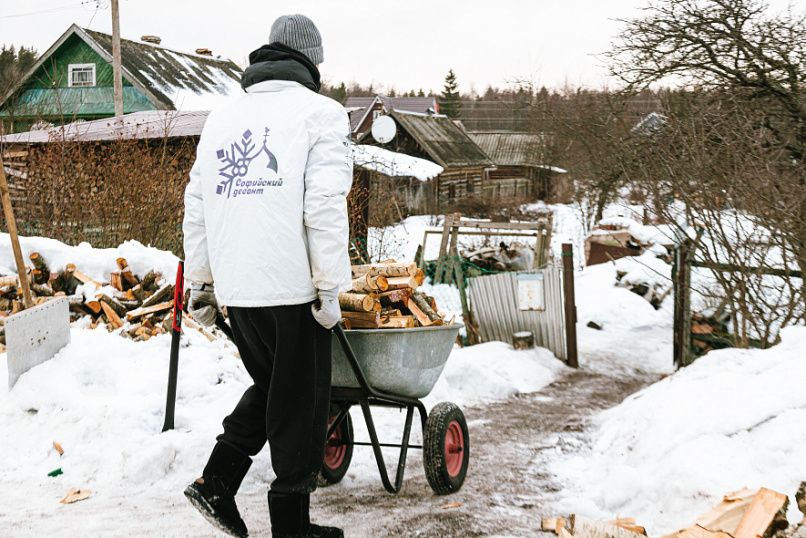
(300, 33)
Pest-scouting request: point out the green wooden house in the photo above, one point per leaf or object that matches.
(73, 81)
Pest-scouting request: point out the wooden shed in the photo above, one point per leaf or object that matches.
(438, 139)
(520, 170)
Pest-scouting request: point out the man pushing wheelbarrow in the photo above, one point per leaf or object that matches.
(266, 222)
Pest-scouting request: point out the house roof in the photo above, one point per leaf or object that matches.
(147, 124)
(169, 79)
(182, 80)
(444, 141)
(359, 107)
(393, 164)
(511, 149)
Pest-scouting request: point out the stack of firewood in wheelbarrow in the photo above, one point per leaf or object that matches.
(142, 304)
(384, 296)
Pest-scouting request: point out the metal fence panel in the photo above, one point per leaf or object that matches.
(494, 303)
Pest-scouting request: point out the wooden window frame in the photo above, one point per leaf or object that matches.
(74, 67)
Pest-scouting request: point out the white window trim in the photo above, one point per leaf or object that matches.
(72, 67)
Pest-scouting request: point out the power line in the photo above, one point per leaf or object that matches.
(51, 10)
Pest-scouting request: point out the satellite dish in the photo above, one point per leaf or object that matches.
(384, 129)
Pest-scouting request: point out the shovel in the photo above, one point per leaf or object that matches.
(37, 333)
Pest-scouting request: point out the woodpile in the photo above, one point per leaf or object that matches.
(384, 296)
(747, 513)
(143, 305)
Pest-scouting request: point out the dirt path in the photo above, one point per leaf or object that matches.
(506, 491)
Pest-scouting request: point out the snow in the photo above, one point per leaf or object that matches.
(734, 418)
(394, 164)
(102, 398)
(667, 454)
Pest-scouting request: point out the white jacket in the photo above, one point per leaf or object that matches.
(265, 209)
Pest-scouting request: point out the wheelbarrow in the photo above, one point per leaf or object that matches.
(394, 368)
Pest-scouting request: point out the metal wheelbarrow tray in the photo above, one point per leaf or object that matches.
(394, 368)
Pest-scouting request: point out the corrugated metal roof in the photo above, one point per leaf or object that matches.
(76, 102)
(443, 140)
(511, 149)
(148, 124)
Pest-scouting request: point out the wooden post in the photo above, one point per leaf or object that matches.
(681, 277)
(117, 74)
(570, 305)
(15, 240)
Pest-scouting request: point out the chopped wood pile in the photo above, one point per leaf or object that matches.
(384, 296)
(746, 513)
(143, 304)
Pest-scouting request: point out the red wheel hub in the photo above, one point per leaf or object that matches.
(335, 449)
(454, 449)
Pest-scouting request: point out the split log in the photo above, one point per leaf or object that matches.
(138, 292)
(525, 340)
(385, 269)
(356, 302)
(552, 524)
(421, 317)
(423, 305)
(401, 282)
(116, 281)
(129, 279)
(367, 283)
(38, 277)
(700, 532)
(563, 533)
(763, 515)
(628, 523)
(84, 279)
(41, 269)
(725, 516)
(119, 309)
(397, 322)
(94, 305)
(163, 294)
(419, 276)
(40, 300)
(583, 527)
(363, 320)
(395, 297)
(153, 309)
(69, 282)
(111, 316)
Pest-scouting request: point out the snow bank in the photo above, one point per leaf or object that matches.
(667, 454)
(97, 263)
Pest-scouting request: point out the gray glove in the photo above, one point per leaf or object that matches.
(202, 304)
(326, 310)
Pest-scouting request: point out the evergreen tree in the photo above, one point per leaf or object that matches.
(340, 93)
(13, 65)
(450, 103)
(420, 93)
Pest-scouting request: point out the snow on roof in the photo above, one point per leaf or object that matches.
(394, 164)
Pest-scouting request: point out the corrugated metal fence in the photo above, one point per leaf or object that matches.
(494, 303)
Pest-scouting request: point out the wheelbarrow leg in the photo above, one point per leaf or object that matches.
(376, 448)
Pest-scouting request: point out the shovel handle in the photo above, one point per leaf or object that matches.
(15, 240)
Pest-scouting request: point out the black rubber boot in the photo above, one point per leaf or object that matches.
(290, 518)
(214, 494)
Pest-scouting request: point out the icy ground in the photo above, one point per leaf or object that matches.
(540, 443)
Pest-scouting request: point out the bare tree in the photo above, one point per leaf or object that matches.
(737, 45)
(713, 164)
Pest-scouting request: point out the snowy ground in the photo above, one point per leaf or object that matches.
(733, 419)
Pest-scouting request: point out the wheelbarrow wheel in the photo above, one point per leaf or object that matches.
(338, 453)
(446, 448)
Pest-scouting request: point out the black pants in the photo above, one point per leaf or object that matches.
(287, 354)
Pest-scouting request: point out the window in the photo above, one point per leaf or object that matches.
(81, 75)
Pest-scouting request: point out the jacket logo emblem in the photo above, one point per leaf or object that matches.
(236, 163)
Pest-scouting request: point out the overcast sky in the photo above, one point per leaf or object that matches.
(407, 44)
